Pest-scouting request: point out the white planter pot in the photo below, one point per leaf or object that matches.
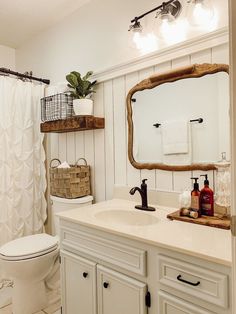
(83, 107)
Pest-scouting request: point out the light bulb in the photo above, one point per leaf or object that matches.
(201, 13)
(172, 31)
(145, 42)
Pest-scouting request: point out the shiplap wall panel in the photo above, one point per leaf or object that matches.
(70, 138)
(120, 139)
(109, 138)
(54, 145)
(220, 55)
(106, 150)
(79, 145)
(99, 148)
(63, 149)
(89, 155)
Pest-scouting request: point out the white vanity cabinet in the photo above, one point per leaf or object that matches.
(109, 273)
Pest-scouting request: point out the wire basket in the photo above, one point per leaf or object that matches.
(56, 107)
(70, 182)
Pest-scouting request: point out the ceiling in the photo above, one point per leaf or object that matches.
(20, 20)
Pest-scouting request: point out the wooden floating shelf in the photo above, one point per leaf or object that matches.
(76, 123)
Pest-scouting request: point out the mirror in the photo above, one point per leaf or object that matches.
(179, 120)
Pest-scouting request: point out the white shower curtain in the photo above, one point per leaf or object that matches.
(22, 157)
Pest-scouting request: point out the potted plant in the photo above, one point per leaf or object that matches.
(81, 91)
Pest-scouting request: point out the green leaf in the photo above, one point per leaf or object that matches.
(93, 83)
(72, 79)
(70, 86)
(89, 73)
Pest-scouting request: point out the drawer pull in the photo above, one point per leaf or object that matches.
(85, 275)
(195, 284)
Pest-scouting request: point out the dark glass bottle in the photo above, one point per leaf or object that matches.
(195, 198)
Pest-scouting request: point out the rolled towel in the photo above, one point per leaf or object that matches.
(64, 165)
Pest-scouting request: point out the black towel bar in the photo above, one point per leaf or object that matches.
(199, 120)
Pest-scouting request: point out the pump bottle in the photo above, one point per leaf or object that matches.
(207, 198)
(195, 197)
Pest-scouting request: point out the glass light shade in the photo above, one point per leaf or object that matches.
(145, 42)
(172, 30)
(201, 12)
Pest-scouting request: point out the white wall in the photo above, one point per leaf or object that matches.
(94, 38)
(106, 150)
(7, 58)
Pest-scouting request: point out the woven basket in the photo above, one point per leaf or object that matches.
(70, 182)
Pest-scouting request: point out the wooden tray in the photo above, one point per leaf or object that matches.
(216, 221)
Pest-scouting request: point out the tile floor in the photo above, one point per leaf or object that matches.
(52, 309)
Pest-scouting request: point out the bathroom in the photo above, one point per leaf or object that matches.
(112, 244)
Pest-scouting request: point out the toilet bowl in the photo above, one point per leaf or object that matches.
(32, 261)
(28, 261)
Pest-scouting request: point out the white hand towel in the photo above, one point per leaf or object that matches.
(176, 140)
(175, 137)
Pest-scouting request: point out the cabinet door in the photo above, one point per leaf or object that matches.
(119, 294)
(169, 304)
(78, 285)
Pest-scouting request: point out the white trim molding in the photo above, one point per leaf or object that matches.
(188, 47)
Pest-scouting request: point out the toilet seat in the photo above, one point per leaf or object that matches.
(28, 247)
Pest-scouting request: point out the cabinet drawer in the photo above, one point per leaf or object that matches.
(117, 254)
(168, 304)
(193, 280)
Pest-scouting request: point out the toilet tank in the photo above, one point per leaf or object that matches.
(63, 204)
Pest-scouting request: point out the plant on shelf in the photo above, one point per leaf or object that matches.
(81, 90)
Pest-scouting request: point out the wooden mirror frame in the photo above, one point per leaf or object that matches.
(192, 71)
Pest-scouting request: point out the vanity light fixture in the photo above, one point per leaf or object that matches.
(200, 12)
(167, 12)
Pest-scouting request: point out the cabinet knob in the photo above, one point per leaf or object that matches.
(105, 285)
(85, 275)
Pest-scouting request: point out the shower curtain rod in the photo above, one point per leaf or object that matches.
(8, 71)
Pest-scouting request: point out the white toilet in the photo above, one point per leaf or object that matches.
(29, 260)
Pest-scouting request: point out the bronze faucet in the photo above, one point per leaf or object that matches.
(143, 193)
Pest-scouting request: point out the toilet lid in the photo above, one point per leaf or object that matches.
(29, 247)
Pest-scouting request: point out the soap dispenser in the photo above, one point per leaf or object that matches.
(195, 198)
(207, 198)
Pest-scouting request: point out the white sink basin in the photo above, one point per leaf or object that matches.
(124, 217)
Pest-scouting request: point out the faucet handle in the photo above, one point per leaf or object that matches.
(144, 181)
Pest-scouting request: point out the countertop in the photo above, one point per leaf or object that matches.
(208, 243)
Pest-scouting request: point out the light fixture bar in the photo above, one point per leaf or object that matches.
(151, 11)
